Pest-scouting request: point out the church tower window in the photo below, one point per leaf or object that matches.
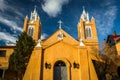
(30, 31)
(88, 32)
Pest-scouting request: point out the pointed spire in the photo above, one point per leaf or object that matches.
(85, 15)
(84, 10)
(34, 15)
(35, 9)
(92, 17)
(26, 16)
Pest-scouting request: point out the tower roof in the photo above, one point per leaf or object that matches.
(34, 15)
(114, 36)
(35, 10)
(84, 15)
(84, 10)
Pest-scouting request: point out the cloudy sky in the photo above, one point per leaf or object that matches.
(13, 12)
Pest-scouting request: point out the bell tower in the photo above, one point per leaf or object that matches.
(87, 28)
(32, 26)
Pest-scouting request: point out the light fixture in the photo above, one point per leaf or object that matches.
(76, 65)
(47, 65)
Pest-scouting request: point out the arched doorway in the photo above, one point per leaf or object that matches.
(60, 71)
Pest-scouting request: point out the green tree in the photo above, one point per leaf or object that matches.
(19, 59)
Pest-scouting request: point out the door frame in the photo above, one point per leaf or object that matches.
(67, 65)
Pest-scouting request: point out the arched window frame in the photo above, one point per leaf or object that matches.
(88, 31)
(30, 31)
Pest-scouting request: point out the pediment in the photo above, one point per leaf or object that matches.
(55, 37)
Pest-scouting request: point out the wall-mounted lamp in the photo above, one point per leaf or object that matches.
(76, 65)
(47, 65)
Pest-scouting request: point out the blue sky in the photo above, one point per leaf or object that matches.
(13, 12)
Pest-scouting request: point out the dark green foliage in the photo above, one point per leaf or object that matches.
(20, 57)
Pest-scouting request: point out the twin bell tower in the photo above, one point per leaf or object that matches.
(86, 27)
(33, 26)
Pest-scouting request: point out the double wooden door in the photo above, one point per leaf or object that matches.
(60, 71)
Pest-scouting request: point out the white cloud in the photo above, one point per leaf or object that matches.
(43, 36)
(2, 5)
(10, 23)
(7, 37)
(105, 18)
(8, 19)
(18, 13)
(53, 7)
(5, 6)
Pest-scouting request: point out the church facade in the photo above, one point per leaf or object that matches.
(60, 56)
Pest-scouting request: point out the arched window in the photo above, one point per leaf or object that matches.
(88, 32)
(30, 31)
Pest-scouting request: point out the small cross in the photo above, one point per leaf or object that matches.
(60, 23)
(35, 6)
(83, 8)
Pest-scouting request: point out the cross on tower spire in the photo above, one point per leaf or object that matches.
(35, 9)
(60, 24)
(35, 6)
(84, 10)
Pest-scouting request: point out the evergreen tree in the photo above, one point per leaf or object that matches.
(19, 59)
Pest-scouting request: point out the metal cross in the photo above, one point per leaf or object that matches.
(60, 23)
(83, 8)
(35, 6)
